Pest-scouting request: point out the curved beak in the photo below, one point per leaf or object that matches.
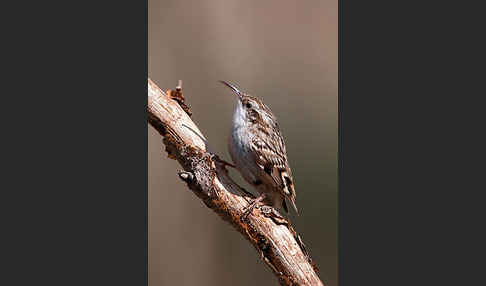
(235, 90)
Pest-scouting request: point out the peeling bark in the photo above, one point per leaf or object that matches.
(272, 235)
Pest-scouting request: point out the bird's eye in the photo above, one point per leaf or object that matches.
(248, 105)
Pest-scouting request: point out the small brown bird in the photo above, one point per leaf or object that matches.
(257, 149)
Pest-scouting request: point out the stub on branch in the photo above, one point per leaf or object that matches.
(179, 97)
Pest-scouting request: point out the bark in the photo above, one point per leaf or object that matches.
(272, 235)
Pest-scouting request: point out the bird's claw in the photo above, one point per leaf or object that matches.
(247, 211)
(216, 159)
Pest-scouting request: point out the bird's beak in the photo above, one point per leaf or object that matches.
(235, 90)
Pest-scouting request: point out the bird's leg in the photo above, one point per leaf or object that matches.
(225, 163)
(252, 205)
(219, 160)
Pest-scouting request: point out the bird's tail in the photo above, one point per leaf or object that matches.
(292, 200)
(289, 190)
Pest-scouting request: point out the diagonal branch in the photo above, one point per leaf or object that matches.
(272, 235)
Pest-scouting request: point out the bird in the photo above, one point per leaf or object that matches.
(258, 151)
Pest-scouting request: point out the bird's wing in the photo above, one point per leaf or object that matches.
(270, 154)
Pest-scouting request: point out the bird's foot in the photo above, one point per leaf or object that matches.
(247, 211)
(216, 159)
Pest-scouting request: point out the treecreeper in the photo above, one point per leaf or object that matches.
(258, 151)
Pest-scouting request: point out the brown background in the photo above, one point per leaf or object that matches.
(284, 52)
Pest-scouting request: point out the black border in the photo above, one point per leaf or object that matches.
(76, 160)
(340, 152)
(408, 127)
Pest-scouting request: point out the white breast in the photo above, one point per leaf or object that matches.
(239, 143)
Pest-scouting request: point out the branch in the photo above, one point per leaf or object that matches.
(205, 174)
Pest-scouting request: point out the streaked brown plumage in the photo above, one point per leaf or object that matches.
(258, 151)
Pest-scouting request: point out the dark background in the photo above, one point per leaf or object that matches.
(286, 53)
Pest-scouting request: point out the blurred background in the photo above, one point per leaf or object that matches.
(285, 52)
